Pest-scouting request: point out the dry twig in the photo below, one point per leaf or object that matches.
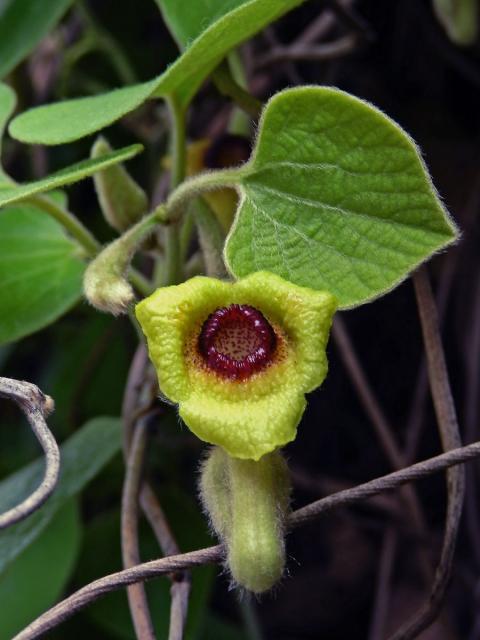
(314, 53)
(35, 405)
(148, 570)
(132, 411)
(381, 425)
(137, 598)
(450, 437)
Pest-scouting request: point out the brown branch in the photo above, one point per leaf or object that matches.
(114, 581)
(413, 432)
(385, 483)
(180, 589)
(131, 410)
(137, 597)
(314, 53)
(471, 415)
(450, 437)
(382, 427)
(365, 394)
(35, 405)
(417, 410)
(148, 570)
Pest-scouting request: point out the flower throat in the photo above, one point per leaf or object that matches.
(237, 341)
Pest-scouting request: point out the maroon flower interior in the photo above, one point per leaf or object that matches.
(237, 341)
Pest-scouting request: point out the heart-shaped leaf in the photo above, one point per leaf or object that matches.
(73, 119)
(23, 23)
(40, 271)
(82, 457)
(68, 175)
(336, 197)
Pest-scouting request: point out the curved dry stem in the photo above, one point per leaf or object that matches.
(148, 570)
(383, 429)
(450, 438)
(132, 410)
(35, 405)
(137, 598)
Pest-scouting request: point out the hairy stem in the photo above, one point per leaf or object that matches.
(69, 222)
(194, 186)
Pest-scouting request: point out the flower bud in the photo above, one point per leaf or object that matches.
(122, 200)
(104, 282)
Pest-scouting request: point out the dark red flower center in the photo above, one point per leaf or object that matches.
(237, 341)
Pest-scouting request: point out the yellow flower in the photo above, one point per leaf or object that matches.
(239, 357)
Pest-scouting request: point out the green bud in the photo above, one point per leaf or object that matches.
(248, 503)
(104, 282)
(122, 200)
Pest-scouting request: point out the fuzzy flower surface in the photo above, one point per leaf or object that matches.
(239, 357)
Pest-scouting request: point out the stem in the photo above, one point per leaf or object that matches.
(106, 42)
(137, 597)
(69, 222)
(227, 86)
(96, 589)
(211, 239)
(240, 122)
(382, 427)
(207, 181)
(35, 405)
(104, 283)
(450, 438)
(186, 232)
(137, 385)
(87, 240)
(173, 264)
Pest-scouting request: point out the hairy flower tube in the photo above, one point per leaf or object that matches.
(239, 357)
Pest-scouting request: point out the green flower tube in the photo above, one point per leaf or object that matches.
(238, 358)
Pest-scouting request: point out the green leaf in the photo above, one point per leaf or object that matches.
(101, 555)
(68, 175)
(40, 271)
(187, 20)
(82, 457)
(8, 100)
(97, 357)
(23, 23)
(36, 579)
(73, 119)
(335, 197)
